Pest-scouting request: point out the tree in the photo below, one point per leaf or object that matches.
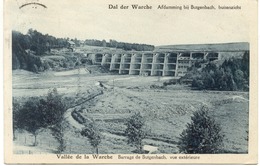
(37, 114)
(135, 131)
(57, 131)
(54, 109)
(218, 76)
(93, 134)
(202, 135)
(210, 67)
(239, 79)
(208, 81)
(16, 107)
(245, 65)
(197, 83)
(104, 43)
(30, 118)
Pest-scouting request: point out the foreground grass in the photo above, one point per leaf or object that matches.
(166, 111)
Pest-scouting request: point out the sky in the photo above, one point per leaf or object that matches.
(91, 19)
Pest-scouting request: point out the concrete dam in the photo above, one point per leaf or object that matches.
(160, 62)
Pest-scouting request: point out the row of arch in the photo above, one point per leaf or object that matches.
(154, 64)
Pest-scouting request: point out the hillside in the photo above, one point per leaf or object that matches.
(242, 46)
(166, 111)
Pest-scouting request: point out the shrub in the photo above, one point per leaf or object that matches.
(197, 83)
(202, 135)
(78, 117)
(91, 131)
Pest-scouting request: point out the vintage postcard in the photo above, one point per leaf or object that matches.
(130, 82)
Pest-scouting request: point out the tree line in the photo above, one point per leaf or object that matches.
(231, 75)
(120, 45)
(40, 43)
(27, 48)
(20, 58)
(37, 42)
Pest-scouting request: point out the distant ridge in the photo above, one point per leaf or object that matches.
(240, 46)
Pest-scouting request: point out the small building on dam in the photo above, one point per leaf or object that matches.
(171, 60)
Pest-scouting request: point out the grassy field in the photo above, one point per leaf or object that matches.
(166, 111)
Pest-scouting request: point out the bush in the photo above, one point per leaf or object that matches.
(91, 131)
(135, 131)
(78, 117)
(202, 135)
(197, 83)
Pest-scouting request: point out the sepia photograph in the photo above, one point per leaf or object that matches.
(130, 82)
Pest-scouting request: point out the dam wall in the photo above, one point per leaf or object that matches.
(174, 63)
